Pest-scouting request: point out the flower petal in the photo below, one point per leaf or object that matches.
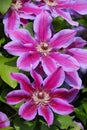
(78, 42)
(11, 21)
(66, 16)
(37, 79)
(73, 79)
(80, 6)
(47, 114)
(28, 61)
(17, 48)
(28, 111)
(4, 121)
(16, 97)
(60, 106)
(54, 80)
(48, 64)
(65, 94)
(42, 26)
(63, 38)
(23, 80)
(80, 55)
(29, 9)
(22, 35)
(67, 62)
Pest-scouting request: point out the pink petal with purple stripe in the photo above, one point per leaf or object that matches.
(23, 80)
(37, 79)
(60, 106)
(42, 26)
(17, 96)
(65, 94)
(23, 36)
(80, 55)
(28, 111)
(18, 48)
(67, 62)
(11, 21)
(48, 64)
(54, 80)
(28, 61)
(63, 38)
(73, 79)
(47, 114)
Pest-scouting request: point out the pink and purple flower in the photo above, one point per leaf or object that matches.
(42, 96)
(19, 12)
(45, 47)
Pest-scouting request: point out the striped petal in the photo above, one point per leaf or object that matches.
(61, 107)
(65, 94)
(17, 96)
(80, 55)
(73, 79)
(28, 61)
(42, 26)
(28, 111)
(47, 114)
(11, 21)
(22, 35)
(55, 79)
(23, 80)
(17, 48)
(67, 62)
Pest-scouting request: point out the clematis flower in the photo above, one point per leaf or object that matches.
(42, 96)
(4, 121)
(19, 10)
(44, 48)
(63, 8)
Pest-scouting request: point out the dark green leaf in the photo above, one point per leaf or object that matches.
(64, 121)
(21, 124)
(29, 27)
(8, 128)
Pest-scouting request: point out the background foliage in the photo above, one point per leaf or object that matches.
(8, 64)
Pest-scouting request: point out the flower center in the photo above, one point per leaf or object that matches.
(51, 2)
(17, 5)
(43, 48)
(41, 97)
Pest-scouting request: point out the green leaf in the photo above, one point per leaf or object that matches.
(81, 115)
(84, 90)
(21, 124)
(85, 107)
(29, 27)
(4, 5)
(59, 23)
(76, 126)
(43, 127)
(64, 121)
(7, 128)
(6, 67)
(2, 40)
